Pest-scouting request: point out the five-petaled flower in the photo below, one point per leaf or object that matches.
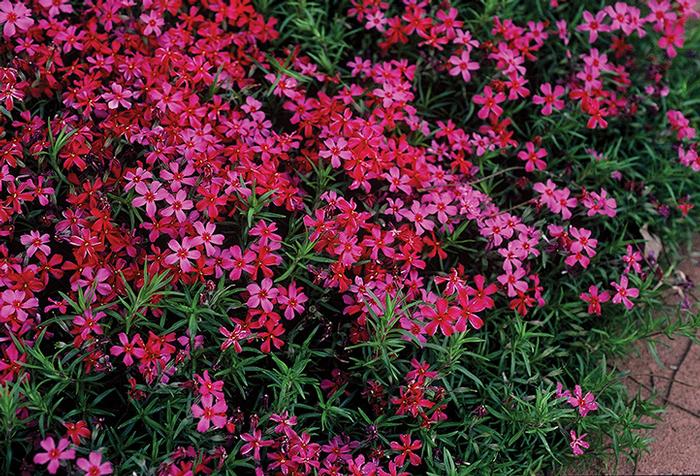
(210, 413)
(584, 403)
(624, 292)
(54, 453)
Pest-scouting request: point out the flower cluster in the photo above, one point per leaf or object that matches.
(55, 454)
(585, 404)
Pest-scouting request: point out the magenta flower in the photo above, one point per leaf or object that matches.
(206, 235)
(418, 215)
(153, 23)
(254, 442)
(36, 242)
(93, 466)
(578, 445)
(14, 16)
(292, 300)
(585, 403)
(533, 157)
(550, 98)
(207, 387)
(16, 303)
(335, 151)
(97, 279)
(595, 298)
(210, 413)
(442, 316)
(593, 25)
(262, 295)
(489, 103)
(233, 337)
(88, 323)
(561, 393)
(673, 37)
(512, 280)
(54, 454)
(463, 65)
(178, 204)
(149, 195)
(624, 293)
(118, 97)
(182, 254)
(397, 181)
(129, 349)
(55, 7)
(406, 449)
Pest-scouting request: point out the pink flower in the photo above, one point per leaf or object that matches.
(489, 103)
(233, 337)
(54, 454)
(561, 393)
(241, 262)
(262, 295)
(206, 235)
(94, 280)
(254, 442)
(14, 16)
(182, 254)
(583, 241)
(585, 403)
(207, 387)
(463, 65)
(593, 25)
(578, 445)
(336, 151)
(673, 37)
(397, 181)
(291, 300)
(418, 215)
(594, 298)
(406, 449)
(563, 202)
(178, 204)
(443, 316)
(16, 303)
(624, 293)
(550, 99)
(600, 204)
(87, 323)
(689, 158)
(149, 195)
(284, 423)
(118, 97)
(547, 193)
(511, 279)
(533, 157)
(210, 413)
(129, 349)
(36, 242)
(94, 466)
(153, 23)
(632, 260)
(55, 7)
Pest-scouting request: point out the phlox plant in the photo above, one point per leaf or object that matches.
(352, 237)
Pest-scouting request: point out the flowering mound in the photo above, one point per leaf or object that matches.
(334, 238)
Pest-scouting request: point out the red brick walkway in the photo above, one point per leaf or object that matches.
(676, 446)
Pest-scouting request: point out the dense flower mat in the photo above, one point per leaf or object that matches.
(336, 238)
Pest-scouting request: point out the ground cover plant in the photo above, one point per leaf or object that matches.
(337, 237)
